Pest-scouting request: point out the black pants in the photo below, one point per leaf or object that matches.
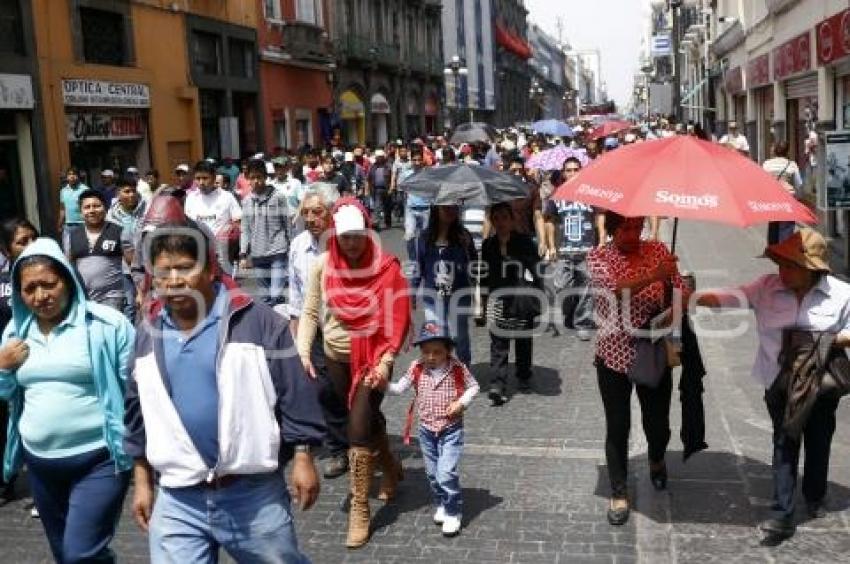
(500, 350)
(334, 406)
(384, 204)
(365, 420)
(616, 391)
(817, 436)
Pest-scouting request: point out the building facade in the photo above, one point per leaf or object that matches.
(25, 184)
(786, 75)
(388, 78)
(145, 83)
(549, 84)
(512, 73)
(468, 35)
(296, 71)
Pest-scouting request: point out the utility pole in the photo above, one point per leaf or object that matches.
(676, 96)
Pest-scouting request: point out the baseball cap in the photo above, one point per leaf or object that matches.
(380, 153)
(431, 331)
(611, 143)
(107, 172)
(349, 157)
(132, 170)
(349, 219)
(182, 168)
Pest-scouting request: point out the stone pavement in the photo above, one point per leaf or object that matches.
(534, 478)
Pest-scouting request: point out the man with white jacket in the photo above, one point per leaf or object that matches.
(216, 403)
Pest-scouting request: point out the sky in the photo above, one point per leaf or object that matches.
(615, 27)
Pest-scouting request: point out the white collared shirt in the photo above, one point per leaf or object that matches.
(825, 308)
(303, 252)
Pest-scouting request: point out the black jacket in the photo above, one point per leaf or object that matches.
(505, 272)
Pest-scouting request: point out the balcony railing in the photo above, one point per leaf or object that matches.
(306, 42)
(363, 48)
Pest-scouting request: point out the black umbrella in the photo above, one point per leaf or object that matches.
(473, 132)
(464, 184)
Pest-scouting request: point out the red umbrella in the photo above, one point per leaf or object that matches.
(610, 128)
(684, 177)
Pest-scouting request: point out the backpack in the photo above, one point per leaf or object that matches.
(457, 375)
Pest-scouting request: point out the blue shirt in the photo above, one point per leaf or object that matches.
(190, 369)
(62, 415)
(70, 199)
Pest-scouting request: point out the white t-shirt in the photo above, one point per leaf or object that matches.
(215, 210)
(739, 141)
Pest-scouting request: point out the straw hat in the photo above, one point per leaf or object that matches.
(806, 248)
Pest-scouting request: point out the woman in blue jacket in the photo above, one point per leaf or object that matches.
(66, 403)
(445, 254)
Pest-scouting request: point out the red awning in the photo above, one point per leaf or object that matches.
(511, 42)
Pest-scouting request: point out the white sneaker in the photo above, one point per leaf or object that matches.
(34, 513)
(451, 525)
(439, 516)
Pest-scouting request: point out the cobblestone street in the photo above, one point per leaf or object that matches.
(534, 479)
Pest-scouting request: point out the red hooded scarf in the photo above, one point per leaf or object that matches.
(372, 300)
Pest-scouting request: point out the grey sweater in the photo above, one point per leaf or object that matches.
(265, 224)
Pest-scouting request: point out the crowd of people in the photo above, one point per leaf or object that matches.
(198, 335)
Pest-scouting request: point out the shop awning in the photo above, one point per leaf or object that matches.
(512, 42)
(379, 104)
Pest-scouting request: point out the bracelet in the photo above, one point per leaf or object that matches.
(304, 448)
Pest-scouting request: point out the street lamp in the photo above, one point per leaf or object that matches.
(457, 68)
(535, 93)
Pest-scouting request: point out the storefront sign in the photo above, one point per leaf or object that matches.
(81, 92)
(837, 172)
(733, 80)
(792, 57)
(758, 71)
(833, 35)
(85, 126)
(16, 92)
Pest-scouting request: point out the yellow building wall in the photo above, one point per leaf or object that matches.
(161, 61)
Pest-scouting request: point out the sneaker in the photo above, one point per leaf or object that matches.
(451, 525)
(584, 334)
(34, 512)
(497, 397)
(439, 516)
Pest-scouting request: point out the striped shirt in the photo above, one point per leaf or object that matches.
(265, 224)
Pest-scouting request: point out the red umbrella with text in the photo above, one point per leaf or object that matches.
(685, 178)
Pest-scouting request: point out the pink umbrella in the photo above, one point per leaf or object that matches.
(553, 159)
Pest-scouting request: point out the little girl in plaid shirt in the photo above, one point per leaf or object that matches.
(444, 389)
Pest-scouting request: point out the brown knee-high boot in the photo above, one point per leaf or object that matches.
(390, 467)
(360, 473)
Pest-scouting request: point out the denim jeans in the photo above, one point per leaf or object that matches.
(415, 222)
(271, 273)
(456, 322)
(441, 454)
(572, 285)
(129, 298)
(250, 519)
(79, 501)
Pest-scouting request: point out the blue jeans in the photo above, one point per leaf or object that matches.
(441, 454)
(457, 323)
(79, 500)
(129, 298)
(271, 278)
(572, 283)
(250, 518)
(415, 222)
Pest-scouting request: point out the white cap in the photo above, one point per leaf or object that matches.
(270, 168)
(349, 157)
(132, 170)
(349, 219)
(630, 138)
(182, 168)
(508, 145)
(380, 153)
(107, 172)
(258, 156)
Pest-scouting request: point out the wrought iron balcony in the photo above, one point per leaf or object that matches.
(364, 49)
(306, 42)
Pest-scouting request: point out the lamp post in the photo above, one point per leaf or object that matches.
(535, 94)
(457, 68)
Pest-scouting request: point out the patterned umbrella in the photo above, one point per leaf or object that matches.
(553, 159)
(552, 127)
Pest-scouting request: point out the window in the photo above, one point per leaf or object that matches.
(271, 8)
(206, 51)
(241, 55)
(279, 128)
(11, 27)
(309, 11)
(104, 37)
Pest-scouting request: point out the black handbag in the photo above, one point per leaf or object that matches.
(525, 303)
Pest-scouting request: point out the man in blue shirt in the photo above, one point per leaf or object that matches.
(69, 203)
(416, 208)
(216, 403)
